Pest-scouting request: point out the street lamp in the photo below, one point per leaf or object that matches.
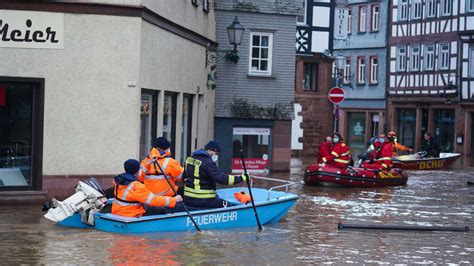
(340, 62)
(235, 32)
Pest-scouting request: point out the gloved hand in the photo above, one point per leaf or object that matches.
(246, 177)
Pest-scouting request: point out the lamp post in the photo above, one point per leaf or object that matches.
(235, 32)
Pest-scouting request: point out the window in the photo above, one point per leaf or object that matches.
(362, 18)
(349, 21)
(416, 9)
(443, 60)
(374, 70)
(257, 152)
(361, 70)
(375, 25)
(415, 58)
(401, 58)
(169, 118)
(186, 125)
(402, 9)
(471, 61)
(429, 57)
(205, 5)
(430, 8)
(445, 7)
(301, 18)
(310, 77)
(347, 72)
(147, 119)
(260, 62)
(469, 5)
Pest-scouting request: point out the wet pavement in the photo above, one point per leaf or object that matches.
(306, 235)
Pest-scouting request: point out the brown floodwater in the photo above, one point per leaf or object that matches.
(308, 234)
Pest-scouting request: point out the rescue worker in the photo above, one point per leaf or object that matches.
(131, 196)
(397, 146)
(324, 149)
(340, 155)
(385, 154)
(151, 174)
(374, 145)
(202, 174)
(430, 146)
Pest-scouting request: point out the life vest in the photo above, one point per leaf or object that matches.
(131, 196)
(242, 197)
(152, 177)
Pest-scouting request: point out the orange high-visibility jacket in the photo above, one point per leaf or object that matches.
(131, 196)
(152, 177)
(398, 147)
(339, 157)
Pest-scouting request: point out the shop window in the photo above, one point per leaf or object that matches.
(169, 119)
(256, 147)
(310, 81)
(147, 121)
(444, 129)
(186, 124)
(356, 133)
(406, 126)
(20, 131)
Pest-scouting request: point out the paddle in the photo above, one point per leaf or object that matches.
(176, 193)
(250, 190)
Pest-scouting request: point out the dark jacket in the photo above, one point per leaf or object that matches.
(431, 148)
(202, 174)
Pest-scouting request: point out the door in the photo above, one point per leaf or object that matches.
(444, 129)
(21, 116)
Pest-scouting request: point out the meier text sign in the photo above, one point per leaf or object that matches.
(29, 29)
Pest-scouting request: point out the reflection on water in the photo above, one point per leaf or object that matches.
(307, 235)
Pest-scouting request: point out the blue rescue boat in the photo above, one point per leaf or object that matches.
(271, 206)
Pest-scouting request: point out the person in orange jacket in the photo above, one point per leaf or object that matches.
(384, 157)
(397, 146)
(324, 149)
(151, 175)
(340, 155)
(131, 196)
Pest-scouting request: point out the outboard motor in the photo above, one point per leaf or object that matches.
(88, 199)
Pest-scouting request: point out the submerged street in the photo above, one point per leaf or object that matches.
(306, 235)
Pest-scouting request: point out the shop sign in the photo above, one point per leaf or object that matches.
(29, 29)
(358, 129)
(253, 165)
(251, 131)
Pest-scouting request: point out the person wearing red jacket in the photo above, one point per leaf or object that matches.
(384, 160)
(324, 149)
(340, 155)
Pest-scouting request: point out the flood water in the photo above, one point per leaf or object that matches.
(308, 234)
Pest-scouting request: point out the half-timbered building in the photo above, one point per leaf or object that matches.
(466, 73)
(313, 75)
(422, 71)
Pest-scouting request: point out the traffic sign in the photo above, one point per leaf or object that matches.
(336, 95)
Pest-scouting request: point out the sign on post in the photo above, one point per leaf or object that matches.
(336, 95)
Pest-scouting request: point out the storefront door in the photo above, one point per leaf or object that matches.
(407, 127)
(21, 108)
(444, 129)
(356, 133)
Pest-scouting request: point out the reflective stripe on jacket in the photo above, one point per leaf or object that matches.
(339, 157)
(132, 195)
(152, 176)
(202, 174)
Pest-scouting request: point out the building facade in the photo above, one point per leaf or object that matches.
(361, 37)
(85, 86)
(423, 84)
(313, 111)
(254, 96)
